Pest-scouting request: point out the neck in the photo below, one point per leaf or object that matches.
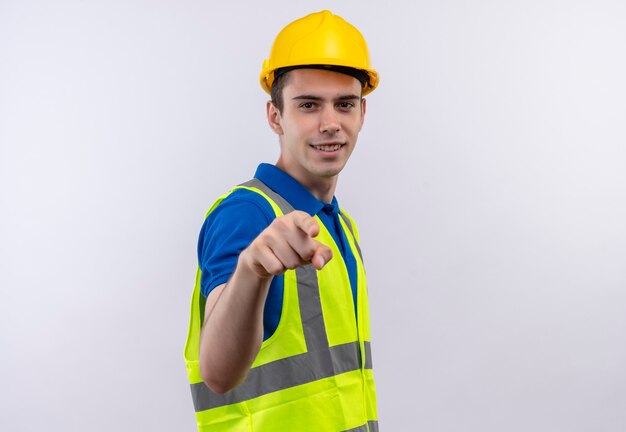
(322, 188)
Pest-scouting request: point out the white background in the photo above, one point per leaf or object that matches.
(489, 185)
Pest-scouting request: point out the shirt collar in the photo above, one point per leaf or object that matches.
(295, 194)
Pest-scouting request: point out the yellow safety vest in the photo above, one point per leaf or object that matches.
(315, 372)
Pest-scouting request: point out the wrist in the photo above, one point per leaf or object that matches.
(250, 270)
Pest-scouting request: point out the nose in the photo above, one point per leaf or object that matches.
(329, 122)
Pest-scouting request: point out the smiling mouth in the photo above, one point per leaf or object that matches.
(327, 147)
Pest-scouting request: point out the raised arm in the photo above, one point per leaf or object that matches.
(233, 327)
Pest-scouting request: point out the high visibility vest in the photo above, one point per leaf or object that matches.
(315, 372)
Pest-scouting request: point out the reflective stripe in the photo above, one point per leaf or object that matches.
(311, 308)
(362, 428)
(282, 374)
(308, 289)
(346, 219)
(371, 426)
(282, 204)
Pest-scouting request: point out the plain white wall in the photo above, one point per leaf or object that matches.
(489, 184)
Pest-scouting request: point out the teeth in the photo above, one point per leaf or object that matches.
(328, 148)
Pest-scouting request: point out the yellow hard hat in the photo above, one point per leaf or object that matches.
(320, 38)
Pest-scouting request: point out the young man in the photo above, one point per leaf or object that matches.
(279, 331)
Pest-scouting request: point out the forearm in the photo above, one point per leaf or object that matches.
(233, 330)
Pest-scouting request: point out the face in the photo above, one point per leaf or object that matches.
(322, 116)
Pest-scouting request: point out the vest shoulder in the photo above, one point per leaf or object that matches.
(242, 204)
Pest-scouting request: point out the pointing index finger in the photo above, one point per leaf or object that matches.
(307, 224)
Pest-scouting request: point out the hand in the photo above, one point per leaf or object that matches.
(287, 243)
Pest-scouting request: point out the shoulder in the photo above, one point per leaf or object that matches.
(242, 204)
(233, 222)
(240, 211)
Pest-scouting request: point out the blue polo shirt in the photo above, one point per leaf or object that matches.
(241, 217)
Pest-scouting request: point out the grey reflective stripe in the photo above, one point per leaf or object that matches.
(371, 426)
(362, 428)
(308, 290)
(283, 205)
(311, 308)
(282, 374)
(346, 219)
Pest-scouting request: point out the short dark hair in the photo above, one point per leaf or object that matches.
(280, 79)
(277, 90)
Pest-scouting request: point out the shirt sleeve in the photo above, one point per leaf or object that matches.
(227, 231)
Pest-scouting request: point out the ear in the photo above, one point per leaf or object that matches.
(273, 118)
(363, 109)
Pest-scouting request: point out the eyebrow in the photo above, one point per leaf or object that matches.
(318, 98)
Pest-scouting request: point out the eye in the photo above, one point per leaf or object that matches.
(307, 106)
(345, 106)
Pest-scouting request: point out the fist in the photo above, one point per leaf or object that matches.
(287, 243)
